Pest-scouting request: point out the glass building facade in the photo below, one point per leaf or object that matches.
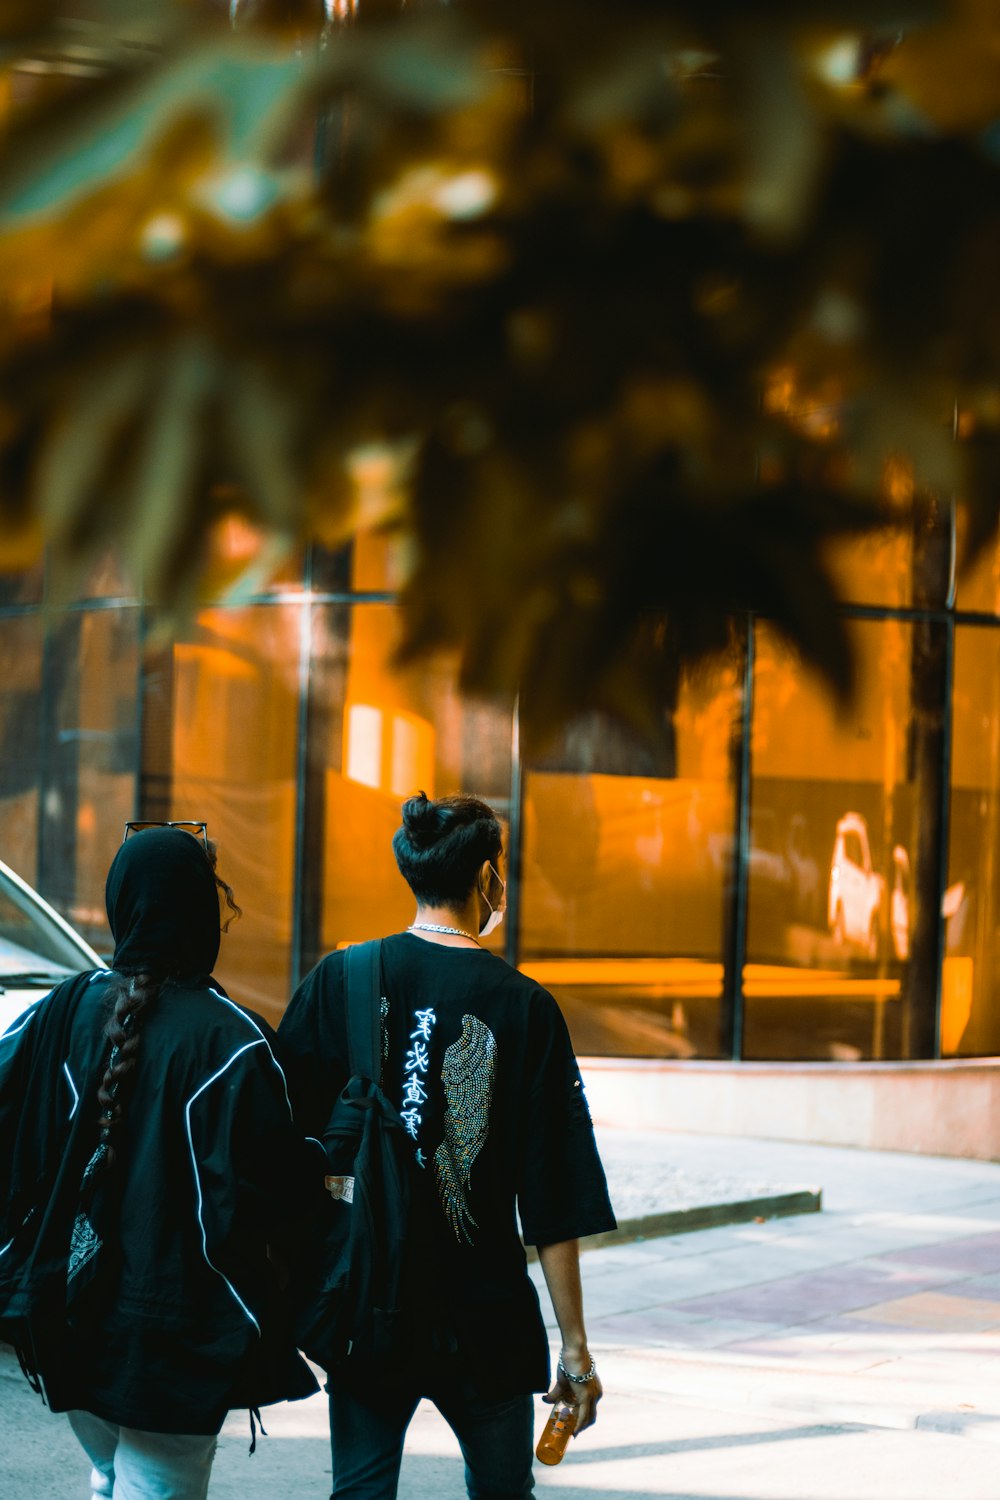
(779, 877)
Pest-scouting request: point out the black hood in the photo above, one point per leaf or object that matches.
(163, 905)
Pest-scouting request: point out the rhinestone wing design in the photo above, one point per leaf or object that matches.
(467, 1074)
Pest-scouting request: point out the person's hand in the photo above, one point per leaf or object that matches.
(583, 1395)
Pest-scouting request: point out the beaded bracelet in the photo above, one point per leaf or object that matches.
(578, 1379)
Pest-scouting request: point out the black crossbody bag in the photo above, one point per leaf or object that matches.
(354, 1291)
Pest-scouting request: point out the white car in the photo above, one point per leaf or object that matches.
(38, 947)
(857, 891)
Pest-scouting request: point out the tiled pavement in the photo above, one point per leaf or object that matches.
(848, 1355)
(884, 1309)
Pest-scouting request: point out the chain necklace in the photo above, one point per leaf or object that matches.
(452, 931)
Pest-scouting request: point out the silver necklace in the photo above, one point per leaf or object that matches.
(434, 927)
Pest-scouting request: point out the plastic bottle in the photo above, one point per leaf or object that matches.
(556, 1434)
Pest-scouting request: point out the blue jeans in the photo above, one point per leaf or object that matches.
(366, 1437)
(132, 1465)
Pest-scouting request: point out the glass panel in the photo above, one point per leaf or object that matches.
(222, 711)
(970, 1004)
(88, 761)
(107, 579)
(22, 585)
(331, 569)
(978, 583)
(239, 553)
(841, 813)
(108, 757)
(873, 569)
(625, 851)
(22, 639)
(377, 735)
(103, 576)
(373, 563)
(377, 558)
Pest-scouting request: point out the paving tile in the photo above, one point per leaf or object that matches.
(857, 1241)
(980, 1372)
(635, 1256)
(974, 1254)
(852, 1327)
(859, 1343)
(796, 1299)
(665, 1328)
(746, 1264)
(819, 1358)
(986, 1212)
(675, 1281)
(937, 1311)
(707, 1241)
(614, 1294)
(909, 1274)
(987, 1287)
(912, 1231)
(936, 1376)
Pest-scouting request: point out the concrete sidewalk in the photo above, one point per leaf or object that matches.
(847, 1355)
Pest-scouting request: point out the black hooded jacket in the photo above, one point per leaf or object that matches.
(179, 1320)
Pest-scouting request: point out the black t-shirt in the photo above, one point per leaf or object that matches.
(478, 1060)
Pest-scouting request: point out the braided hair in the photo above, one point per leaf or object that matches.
(129, 996)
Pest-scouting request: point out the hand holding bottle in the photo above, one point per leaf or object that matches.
(560, 1262)
(556, 1434)
(576, 1400)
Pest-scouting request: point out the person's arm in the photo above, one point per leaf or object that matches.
(561, 1268)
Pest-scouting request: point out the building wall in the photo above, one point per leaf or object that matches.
(693, 898)
(944, 1108)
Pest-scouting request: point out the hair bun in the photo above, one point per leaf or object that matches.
(423, 819)
(441, 845)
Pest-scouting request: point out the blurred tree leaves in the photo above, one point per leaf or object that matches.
(619, 312)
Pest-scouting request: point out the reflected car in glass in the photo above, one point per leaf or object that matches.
(857, 890)
(899, 904)
(955, 907)
(38, 947)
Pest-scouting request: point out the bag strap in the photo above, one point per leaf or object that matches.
(363, 985)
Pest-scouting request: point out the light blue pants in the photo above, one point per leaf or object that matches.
(131, 1465)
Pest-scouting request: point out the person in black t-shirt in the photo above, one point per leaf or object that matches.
(479, 1062)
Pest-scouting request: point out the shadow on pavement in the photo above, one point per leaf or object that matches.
(706, 1444)
(300, 1466)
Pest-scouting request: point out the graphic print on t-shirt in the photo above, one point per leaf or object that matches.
(415, 1066)
(467, 1074)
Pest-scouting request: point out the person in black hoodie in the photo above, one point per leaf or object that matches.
(147, 1157)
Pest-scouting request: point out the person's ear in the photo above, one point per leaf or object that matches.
(483, 878)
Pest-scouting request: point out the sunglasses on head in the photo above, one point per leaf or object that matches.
(196, 830)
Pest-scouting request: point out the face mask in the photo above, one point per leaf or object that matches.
(497, 913)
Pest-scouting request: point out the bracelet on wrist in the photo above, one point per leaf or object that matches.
(578, 1379)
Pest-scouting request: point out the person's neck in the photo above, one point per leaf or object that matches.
(464, 919)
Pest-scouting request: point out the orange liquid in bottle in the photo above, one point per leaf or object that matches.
(557, 1432)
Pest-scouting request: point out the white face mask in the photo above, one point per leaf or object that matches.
(497, 913)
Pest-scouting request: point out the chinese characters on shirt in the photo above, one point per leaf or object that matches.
(415, 1068)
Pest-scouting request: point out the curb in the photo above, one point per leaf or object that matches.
(703, 1216)
(709, 1216)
